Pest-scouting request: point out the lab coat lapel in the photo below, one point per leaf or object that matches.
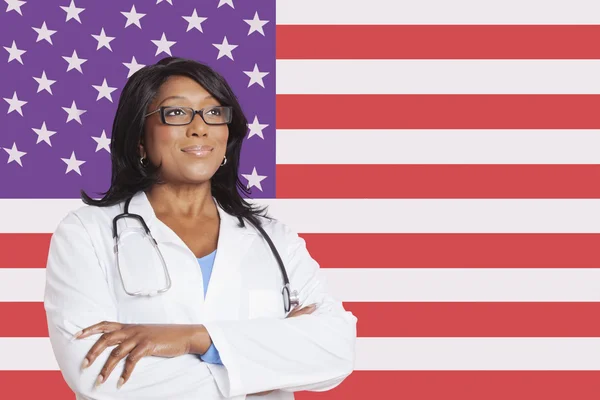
(222, 300)
(225, 287)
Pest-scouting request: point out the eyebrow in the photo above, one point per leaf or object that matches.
(185, 98)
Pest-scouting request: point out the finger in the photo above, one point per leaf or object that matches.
(262, 393)
(106, 340)
(297, 311)
(304, 310)
(141, 350)
(101, 327)
(116, 355)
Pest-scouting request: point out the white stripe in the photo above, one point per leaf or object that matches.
(478, 354)
(294, 12)
(436, 77)
(27, 354)
(445, 146)
(399, 284)
(470, 284)
(22, 284)
(371, 215)
(438, 215)
(30, 354)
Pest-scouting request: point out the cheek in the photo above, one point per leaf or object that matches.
(161, 141)
(223, 138)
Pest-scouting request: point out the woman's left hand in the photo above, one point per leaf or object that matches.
(137, 341)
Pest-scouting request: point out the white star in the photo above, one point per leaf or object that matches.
(194, 21)
(225, 48)
(163, 45)
(74, 113)
(256, 128)
(72, 11)
(103, 40)
(256, 25)
(74, 62)
(104, 91)
(102, 142)
(14, 154)
(228, 2)
(133, 66)
(14, 53)
(254, 179)
(15, 104)
(43, 134)
(256, 76)
(44, 33)
(14, 5)
(133, 17)
(73, 164)
(44, 83)
(168, 1)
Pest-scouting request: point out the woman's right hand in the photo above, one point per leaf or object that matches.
(294, 313)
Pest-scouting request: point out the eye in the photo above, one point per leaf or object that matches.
(175, 112)
(215, 112)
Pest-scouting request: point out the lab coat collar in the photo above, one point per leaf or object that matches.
(229, 224)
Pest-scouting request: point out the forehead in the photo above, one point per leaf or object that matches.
(181, 86)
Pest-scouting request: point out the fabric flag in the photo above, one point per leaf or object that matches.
(439, 157)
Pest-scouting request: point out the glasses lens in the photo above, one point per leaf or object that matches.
(217, 115)
(178, 115)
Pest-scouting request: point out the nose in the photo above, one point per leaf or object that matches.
(197, 127)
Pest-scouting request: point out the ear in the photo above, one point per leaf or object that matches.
(141, 150)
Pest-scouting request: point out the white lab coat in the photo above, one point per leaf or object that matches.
(243, 312)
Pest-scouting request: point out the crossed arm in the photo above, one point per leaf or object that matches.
(314, 351)
(134, 341)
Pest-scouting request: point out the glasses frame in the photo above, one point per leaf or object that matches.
(194, 112)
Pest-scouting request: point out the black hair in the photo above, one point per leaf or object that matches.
(129, 176)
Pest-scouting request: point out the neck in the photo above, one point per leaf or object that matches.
(188, 201)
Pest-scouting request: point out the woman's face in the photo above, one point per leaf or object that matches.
(178, 149)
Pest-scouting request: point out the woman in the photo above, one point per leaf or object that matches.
(204, 333)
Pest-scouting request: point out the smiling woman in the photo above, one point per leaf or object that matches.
(161, 289)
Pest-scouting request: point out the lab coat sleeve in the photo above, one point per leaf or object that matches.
(77, 295)
(313, 352)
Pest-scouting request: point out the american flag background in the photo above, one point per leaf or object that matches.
(440, 157)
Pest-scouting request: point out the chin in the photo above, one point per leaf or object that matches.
(197, 176)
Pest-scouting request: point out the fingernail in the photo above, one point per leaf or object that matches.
(120, 383)
(76, 335)
(85, 363)
(99, 380)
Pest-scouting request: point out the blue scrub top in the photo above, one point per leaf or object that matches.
(206, 266)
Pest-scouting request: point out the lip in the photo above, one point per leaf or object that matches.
(198, 150)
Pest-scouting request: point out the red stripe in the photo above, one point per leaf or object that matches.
(463, 385)
(408, 319)
(437, 181)
(23, 320)
(360, 385)
(439, 111)
(27, 385)
(24, 250)
(455, 250)
(437, 41)
(472, 319)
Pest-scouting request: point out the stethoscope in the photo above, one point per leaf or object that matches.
(290, 297)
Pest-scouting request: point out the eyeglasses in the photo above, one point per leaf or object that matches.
(175, 115)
